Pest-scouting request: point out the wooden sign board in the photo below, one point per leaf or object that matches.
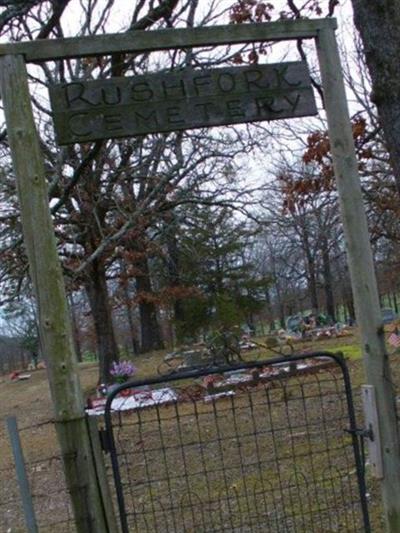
(124, 107)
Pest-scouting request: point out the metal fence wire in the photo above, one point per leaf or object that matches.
(46, 479)
(271, 446)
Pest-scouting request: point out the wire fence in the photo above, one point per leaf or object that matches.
(270, 455)
(266, 452)
(46, 478)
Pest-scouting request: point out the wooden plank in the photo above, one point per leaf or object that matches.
(45, 271)
(361, 267)
(98, 457)
(124, 107)
(146, 41)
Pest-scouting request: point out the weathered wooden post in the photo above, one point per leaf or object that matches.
(55, 329)
(361, 268)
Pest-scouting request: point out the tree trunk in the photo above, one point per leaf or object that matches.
(389, 299)
(132, 333)
(311, 269)
(378, 22)
(282, 316)
(173, 264)
(396, 307)
(280, 305)
(128, 308)
(350, 308)
(75, 329)
(268, 305)
(97, 291)
(328, 285)
(346, 295)
(149, 327)
(150, 331)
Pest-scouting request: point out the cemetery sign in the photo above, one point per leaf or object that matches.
(124, 107)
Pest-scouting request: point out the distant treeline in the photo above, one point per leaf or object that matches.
(12, 355)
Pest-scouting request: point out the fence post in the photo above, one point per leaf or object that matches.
(23, 483)
(361, 266)
(98, 457)
(47, 279)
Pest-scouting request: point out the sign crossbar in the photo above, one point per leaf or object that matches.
(168, 39)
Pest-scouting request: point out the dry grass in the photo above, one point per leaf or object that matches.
(272, 458)
(30, 402)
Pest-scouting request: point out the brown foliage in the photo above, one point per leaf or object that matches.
(297, 190)
(250, 11)
(167, 295)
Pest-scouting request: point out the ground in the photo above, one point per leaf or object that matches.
(30, 402)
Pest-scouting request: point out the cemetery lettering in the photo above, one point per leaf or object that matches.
(124, 107)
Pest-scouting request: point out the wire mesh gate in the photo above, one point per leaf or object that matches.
(262, 446)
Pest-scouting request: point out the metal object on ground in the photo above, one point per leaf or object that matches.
(25, 492)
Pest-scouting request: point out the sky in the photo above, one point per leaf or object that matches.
(118, 20)
(258, 165)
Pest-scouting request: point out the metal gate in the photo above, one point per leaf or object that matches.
(267, 446)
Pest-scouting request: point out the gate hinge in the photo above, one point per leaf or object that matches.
(104, 442)
(362, 432)
(372, 423)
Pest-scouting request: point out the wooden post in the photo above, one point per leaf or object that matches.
(101, 474)
(46, 275)
(361, 268)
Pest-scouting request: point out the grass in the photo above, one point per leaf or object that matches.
(253, 439)
(350, 351)
(30, 402)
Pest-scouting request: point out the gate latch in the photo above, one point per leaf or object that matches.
(372, 434)
(362, 432)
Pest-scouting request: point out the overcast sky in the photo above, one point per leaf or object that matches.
(257, 166)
